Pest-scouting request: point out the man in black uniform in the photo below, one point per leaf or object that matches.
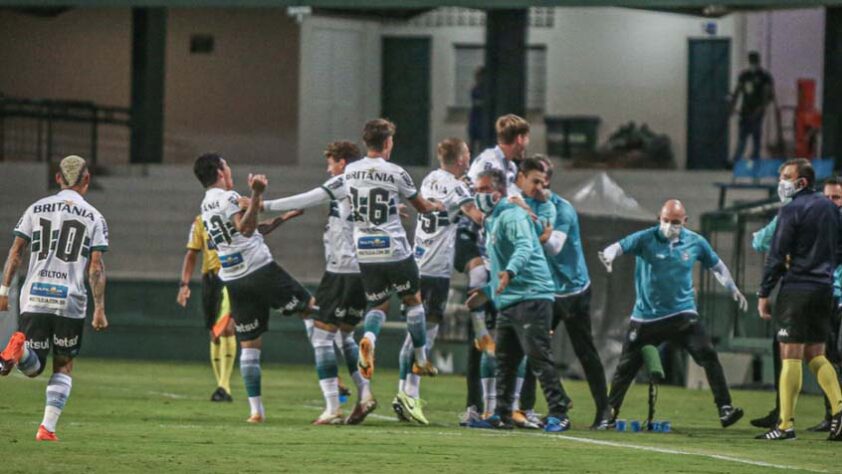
(755, 85)
(805, 251)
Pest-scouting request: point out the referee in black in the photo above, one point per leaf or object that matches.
(805, 250)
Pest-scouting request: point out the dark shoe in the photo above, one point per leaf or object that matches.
(768, 421)
(729, 415)
(361, 410)
(602, 420)
(498, 423)
(228, 397)
(775, 434)
(218, 395)
(835, 428)
(822, 427)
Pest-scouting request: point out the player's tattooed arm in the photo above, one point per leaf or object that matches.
(247, 222)
(96, 278)
(267, 226)
(13, 261)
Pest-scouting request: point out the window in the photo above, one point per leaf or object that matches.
(469, 57)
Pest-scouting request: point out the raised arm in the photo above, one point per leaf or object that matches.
(311, 198)
(246, 222)
(13, 261)
(424, 206)
(470, 210)
(96, 278)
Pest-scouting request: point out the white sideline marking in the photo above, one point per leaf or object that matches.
(639, 447)
(168, 395)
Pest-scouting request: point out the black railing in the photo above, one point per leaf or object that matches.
(36, 130)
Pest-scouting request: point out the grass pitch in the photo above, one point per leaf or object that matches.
(155, 417)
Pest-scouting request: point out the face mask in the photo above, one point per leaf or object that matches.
(786, 189)
(486, 202)
(670, 231)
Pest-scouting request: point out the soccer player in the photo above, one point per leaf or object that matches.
(215, 306)
(521, 287)
(563, 249)
(340, 296)
(66, 238)
(665, 308)
(255, 283)
(512, 140)
(374, 186)
(435, 236)
(806, 249)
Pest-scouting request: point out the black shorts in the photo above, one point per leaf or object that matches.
(211, 298)
(254, 295)
(466, 249)
(803, 316)
(434, 291)
(381, 279)
(573, 307)
(341, 299)
(44, 331)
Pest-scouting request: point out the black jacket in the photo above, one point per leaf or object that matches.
(808, 232)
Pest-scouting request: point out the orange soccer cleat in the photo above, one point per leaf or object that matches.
(45, 435)
(12, 353)
(366, 362)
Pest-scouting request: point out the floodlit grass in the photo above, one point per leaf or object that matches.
(155, 417)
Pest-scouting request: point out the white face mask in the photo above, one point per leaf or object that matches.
(786, 189)
(670, 231)
(486, 202)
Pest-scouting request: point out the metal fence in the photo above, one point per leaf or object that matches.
(43, 129)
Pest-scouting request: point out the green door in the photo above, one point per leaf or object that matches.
(406, 97)
(708, 76)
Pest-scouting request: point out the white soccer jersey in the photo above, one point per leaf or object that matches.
(493, 158)
(239, 255)
(435, 234)
(62, 230)
(374, 186)
(340, 255)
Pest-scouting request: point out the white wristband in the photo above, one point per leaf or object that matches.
(4, 290)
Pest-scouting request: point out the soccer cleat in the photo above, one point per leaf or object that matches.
(12, 353)
(601, 420)
(219, 395)
(471, 414)
(328, 418)
(361, 410)
(520, 420)
(256, 419)
(776, 434)
(835, 433)
(729, 415)
(768, 421)
(412, 407)
(398, 408)
(822, 427)
(427, 368)
(45, 435)
(557, 424)
(486, 343)
(493, 422)
(366, 362)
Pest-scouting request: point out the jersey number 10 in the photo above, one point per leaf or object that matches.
(66, 242)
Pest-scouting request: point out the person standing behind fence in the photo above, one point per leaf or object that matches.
(806, 248)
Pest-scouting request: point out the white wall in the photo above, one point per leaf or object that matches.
(619, 64)
(240, 100)
(339, 82)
